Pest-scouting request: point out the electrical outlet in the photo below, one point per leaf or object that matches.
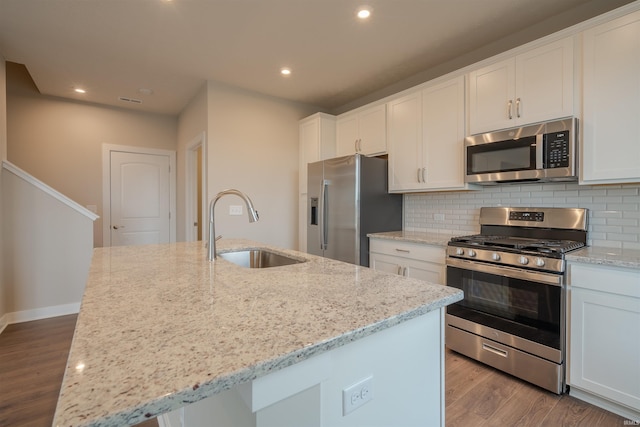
(235, 210)
(357, 395)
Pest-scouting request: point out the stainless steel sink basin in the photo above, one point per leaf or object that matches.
(258, 258)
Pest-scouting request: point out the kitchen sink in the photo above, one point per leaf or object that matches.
(258, 258)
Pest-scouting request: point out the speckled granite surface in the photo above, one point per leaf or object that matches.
(436, 239)
(160, 327)
(607, 256)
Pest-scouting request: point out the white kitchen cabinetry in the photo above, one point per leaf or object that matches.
(420, 261)
(531, 87)
(604, 341)
(317, 142)
(364, 132)
(611, 102)
(426, 139)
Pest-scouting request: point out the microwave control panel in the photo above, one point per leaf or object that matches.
(556, 150)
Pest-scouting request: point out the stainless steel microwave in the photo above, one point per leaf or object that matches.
(537, 153)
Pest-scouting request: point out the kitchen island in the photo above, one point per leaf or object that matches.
(161, 328)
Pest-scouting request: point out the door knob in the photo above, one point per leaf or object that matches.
(115, 227)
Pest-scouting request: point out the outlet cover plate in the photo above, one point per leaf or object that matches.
(357, 395)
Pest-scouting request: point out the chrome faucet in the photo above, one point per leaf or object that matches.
(253, 217)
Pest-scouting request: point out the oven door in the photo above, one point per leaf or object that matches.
(527, 306)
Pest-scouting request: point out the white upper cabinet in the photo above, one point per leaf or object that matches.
(363, 132)
(405, 143)
(611, 102)
(531, 87)
(317, 142)
(426, 139)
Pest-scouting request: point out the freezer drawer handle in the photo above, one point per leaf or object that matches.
(494, 350)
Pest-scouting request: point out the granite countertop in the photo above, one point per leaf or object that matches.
(614, 257)
(161, 327)
(426, 238)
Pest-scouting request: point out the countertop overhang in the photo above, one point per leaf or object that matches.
(161, 327)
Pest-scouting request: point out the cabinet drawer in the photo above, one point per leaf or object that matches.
(615, 280)
(415, 251)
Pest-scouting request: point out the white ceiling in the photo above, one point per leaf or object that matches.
(114, 48)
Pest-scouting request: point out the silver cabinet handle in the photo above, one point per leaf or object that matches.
(406, 251)
(359, 144)
(518, 107)
(418, 172)
(404, 271)
(355, 145)
(509, 108)
(399, 270)
(424, 170)
(116, 227)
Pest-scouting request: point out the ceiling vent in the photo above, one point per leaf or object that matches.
(131, 100)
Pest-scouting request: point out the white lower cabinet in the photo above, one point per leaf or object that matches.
(420, 261)
(604, 337)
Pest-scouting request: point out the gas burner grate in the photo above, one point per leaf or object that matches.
(520, 243)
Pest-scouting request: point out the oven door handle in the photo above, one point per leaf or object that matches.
(515, 273)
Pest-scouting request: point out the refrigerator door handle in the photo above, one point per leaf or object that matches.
(324, 227)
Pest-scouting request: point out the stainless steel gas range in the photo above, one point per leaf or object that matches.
(513, 275)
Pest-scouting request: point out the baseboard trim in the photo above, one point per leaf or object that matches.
(616, 408)
(38, 314)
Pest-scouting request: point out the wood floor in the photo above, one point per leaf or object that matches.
(33, 356)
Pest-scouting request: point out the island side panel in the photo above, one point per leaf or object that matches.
(405, 363)
(407, 366)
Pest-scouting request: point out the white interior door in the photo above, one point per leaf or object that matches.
(140, 198)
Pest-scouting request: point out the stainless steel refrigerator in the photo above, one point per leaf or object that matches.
(348, 198)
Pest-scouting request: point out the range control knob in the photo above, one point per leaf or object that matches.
(472, 253)
(523, 260)
(495, 256)
(459, 251)
(539, 262)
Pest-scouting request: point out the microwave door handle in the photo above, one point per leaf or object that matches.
(539, 151)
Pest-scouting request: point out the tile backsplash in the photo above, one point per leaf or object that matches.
(614, 215)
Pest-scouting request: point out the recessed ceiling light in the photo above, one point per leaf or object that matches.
(285, 71)
(364, 13)
(79, 90)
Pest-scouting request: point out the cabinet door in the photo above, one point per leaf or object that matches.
(443, 135)
(405, 143)
(309, 149)
(423, 270)
(544, 83)
(491, 94)
(372, 129)
(346, 135)
(611, 102)
(386, 263)
(605, 345)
